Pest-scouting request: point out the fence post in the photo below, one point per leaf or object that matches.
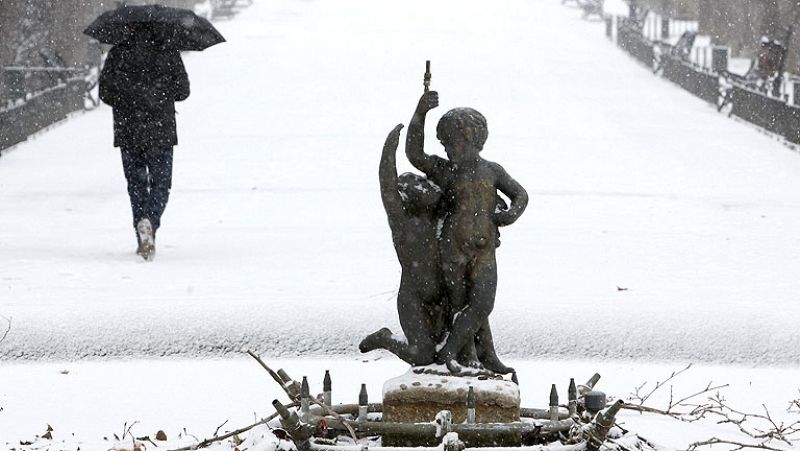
(796, 91)
(719, 58)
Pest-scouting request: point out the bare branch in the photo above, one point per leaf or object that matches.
(127, 429)
(216, 438)
(708, 389)
(738, 445)
(220, 427)
(636, 396)
(8, 327)
(272, 373)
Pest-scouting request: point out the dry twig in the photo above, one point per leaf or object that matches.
(696, 412)
(326, 408)
(8, 328)
(272, 373)
(220, 427)
(763, 428)
(216, 438)
(739, 445)
(769, 428)
(636, 395)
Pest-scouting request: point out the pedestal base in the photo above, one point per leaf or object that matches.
(417, 398)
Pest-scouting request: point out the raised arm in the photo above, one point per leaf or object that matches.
(387, 175)
(515, 192)
(415, 137)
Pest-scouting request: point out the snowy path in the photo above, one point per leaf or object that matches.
(275, 216)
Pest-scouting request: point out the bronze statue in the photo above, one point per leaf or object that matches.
(445, 231)
(411, 203)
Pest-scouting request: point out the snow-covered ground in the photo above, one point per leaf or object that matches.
(659, 230)
(275, 217)
(190, 399)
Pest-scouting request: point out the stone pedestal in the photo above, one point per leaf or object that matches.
(417, 398)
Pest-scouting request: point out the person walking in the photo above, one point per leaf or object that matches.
(141, 81)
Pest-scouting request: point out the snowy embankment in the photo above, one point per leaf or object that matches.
(189, 399)
(659, 229)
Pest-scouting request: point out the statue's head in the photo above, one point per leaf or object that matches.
(461, 126)
(418, 193)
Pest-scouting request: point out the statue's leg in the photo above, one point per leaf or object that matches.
(418, 348)
(468, 355)
(480, 303)
(385, 339)
(453, 278)
(486, 352)
(418, 327)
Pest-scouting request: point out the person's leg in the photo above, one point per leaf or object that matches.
(159, 162)
(135, 169)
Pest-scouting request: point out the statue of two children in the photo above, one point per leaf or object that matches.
(445, 231)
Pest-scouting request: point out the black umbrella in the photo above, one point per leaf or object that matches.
(172, 28)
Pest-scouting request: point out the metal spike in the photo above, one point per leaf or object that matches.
(305, 397)
(553, 395)
(572, 396)
(471, 406)
(553, 403)
(363, 401)
(327, 392)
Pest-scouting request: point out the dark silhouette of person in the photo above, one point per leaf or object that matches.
(141, 81)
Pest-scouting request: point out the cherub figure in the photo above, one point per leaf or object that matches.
(412, 206)
(468, 236)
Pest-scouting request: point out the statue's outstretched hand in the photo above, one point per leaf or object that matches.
(394, 138)
(428, 101)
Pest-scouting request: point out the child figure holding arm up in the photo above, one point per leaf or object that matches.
(468, 237)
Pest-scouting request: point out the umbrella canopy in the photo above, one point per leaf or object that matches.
(172, 28)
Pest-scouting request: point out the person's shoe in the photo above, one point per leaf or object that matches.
(147, 240)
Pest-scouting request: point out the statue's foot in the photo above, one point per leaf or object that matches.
(375, 340)
(456, 369)
(494, 365)
(473, 364)
(499, 368)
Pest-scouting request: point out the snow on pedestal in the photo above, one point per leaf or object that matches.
(417, 398)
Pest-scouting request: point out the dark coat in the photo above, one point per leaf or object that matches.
(142, 84)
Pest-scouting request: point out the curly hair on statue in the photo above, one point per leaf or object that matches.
(466, 121)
